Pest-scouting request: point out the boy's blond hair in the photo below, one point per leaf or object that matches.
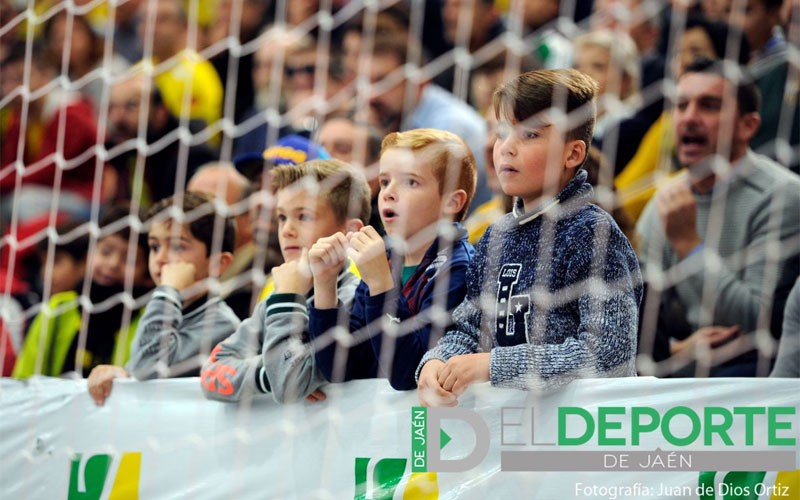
(342, 185)
(447, 151)
(537, 91)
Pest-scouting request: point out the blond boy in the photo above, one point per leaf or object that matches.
(270, 352)
(427, 180)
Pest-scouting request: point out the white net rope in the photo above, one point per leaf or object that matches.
(750, 282)
(331, 93)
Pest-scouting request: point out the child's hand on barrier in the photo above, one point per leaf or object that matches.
(429, 389)
(462, 371)
(708, 337)
(100, 381)
(368, 252)
(316, 396)
(293, 276)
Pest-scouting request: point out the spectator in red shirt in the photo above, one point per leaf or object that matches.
(47, 145)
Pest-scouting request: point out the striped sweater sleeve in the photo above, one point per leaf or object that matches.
(287, 356)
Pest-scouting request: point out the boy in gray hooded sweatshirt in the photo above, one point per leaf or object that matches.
(271, 351)
(181, 321)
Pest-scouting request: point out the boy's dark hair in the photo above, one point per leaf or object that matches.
(537, 91)
(748, 97)
(76, 246)
(198, 214)
(342, 185)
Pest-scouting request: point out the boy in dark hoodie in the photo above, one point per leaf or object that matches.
(427, 179)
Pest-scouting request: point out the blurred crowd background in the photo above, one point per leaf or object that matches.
(109, 106)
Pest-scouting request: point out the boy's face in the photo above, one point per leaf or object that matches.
(110, 260)
(170, 243)
(67, 272)
(527, 160)
(303, 217)
(409, 200)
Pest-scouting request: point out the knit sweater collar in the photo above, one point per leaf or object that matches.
(574, 196)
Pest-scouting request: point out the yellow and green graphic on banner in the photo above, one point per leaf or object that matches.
(388, 473)
(88, 482)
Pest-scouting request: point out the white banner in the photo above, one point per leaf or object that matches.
(612, 438)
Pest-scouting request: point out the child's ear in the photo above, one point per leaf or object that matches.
(454, 202)
(353, 225)
(224, 260)
(574, 153)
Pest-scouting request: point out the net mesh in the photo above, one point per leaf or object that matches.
(216, 30)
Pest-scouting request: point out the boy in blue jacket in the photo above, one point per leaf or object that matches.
(427, 179)
(554, 289)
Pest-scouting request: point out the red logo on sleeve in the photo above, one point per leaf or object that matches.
(216, 378)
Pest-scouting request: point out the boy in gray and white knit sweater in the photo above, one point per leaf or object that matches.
(181, 322)
(554, 289)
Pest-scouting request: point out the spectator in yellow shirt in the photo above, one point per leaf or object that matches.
(179, 70)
